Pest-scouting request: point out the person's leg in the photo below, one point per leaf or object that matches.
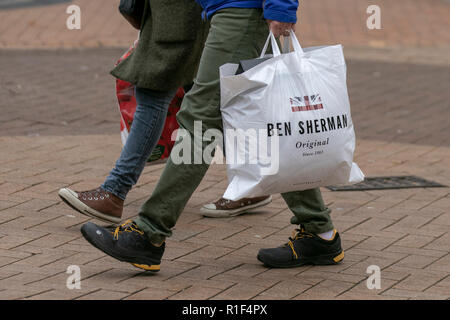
(228, 41)
(146, 129)
(309, 210)
(235, 34)
(106, 203)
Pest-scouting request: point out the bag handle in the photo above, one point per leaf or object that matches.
(286, 47)
(273, 41)
(295, 43)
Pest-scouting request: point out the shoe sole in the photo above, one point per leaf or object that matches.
(329, 259)
(147, 265)
(71, 199)
(210, 213)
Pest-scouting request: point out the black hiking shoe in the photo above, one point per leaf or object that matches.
(125, 243)
(303, 248)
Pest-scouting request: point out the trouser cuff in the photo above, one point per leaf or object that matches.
(155, 238)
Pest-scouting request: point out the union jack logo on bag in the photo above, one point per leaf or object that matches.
(306, 103)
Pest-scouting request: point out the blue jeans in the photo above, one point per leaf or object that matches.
(145, 131)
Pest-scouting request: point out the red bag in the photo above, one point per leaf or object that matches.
(127, 107)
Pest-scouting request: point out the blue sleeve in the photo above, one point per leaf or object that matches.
(281, 10)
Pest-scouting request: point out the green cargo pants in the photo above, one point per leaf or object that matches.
(235, 34)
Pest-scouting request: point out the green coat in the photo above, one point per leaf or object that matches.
(170, 45)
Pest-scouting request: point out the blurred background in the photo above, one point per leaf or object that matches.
(410, 23)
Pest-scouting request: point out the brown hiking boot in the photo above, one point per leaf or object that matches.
(97, 203)
(224, 208)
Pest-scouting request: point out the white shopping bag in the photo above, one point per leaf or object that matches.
(287, 122)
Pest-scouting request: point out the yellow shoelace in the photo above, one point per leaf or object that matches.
(297, 234)
(127, 226)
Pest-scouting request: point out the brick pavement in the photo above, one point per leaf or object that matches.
(59, 127)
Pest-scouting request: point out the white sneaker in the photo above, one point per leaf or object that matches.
(224, 208)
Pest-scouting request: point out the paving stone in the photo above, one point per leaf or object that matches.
(326, 289)
(240, 292)
(152, 294)
(196, 293)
